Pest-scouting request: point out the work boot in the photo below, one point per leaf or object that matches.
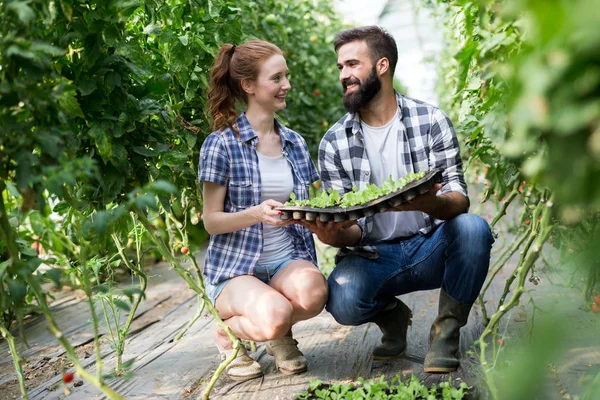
(243, 367)
(445, 334)
(288, 358)
(393, 324)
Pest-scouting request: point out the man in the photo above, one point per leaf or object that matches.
(428, 243)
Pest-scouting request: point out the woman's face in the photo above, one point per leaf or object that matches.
(271, 85)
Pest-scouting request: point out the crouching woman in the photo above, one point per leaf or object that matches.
(260, 271)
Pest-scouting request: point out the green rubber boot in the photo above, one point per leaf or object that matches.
(445, 334)
(393, 324)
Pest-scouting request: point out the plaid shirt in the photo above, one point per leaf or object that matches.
(230, 161)
(428, 139)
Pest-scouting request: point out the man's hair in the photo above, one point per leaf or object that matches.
(379, 42)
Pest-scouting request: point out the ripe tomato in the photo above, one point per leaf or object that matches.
(68, 377)
(500, 342)
(184, 250)
(316, 92)
(596, 308)
(527, 222)
(597, 299)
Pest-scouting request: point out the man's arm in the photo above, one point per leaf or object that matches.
(336, 234)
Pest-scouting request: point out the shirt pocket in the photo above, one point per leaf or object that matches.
(241, 193)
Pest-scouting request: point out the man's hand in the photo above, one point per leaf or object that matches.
(425, 202)
(445, 206)
(336, 234)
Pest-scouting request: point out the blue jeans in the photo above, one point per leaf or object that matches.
(455, 257)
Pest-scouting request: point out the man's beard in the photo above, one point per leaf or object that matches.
(364, 94)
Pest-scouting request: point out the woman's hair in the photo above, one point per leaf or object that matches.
(231, 66)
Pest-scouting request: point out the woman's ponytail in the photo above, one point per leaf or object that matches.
(221, 91)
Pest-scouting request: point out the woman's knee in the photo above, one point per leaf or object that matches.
(277, 319)
(311, 294)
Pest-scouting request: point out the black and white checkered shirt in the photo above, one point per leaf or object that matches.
(428, 141)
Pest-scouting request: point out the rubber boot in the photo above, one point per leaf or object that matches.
(445, 335)
(393, 324)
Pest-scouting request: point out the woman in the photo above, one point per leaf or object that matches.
(260, 271)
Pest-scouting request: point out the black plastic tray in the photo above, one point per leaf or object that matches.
(373, 207)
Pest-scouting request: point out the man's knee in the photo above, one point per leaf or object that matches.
(472, 230)
(344, 303)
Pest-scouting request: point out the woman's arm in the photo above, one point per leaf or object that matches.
(216, 221)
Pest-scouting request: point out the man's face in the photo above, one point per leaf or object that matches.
(358, 75)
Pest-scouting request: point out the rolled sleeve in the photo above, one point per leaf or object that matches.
(331, 177)
(214, 161)
(445, 154)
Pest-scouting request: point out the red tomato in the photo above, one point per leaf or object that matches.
(184, 250)
(67, 377)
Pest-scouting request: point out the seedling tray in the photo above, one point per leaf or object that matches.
(381, 204)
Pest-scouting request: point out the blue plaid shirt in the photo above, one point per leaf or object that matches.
(428, 139)
(232, 162)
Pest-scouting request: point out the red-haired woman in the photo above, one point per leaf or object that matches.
(260, 271)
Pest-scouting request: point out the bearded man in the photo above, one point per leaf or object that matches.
(430, 242)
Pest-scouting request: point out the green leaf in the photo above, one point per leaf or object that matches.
(164, 187)
(112, 80)
(70, 104)
(87, 86)
(55, 275)
(60, 207)
(101, 220)
(67, 9)
(23, 11)
(130, 292)
(152, 29)
(184, 39)
(144, 151)
(122, 305)
(17, 290)
(3, 267)
(174, 159)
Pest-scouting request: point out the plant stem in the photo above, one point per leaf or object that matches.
(88, 294)
(143, 284)
(544, 227)
(52, 326)
(196, 286)
(16, 359)
(505, 204)
(193, 320)
(220, 370)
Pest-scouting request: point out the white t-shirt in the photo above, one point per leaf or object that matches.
(277, 183)
(384, 151)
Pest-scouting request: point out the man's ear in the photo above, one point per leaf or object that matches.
(383, 65)
(247, 86)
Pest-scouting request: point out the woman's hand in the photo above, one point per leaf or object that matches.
(265, 213)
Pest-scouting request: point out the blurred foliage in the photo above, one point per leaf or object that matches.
(522, 81)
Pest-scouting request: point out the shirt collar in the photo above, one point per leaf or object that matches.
(353, 120)
(247, 133)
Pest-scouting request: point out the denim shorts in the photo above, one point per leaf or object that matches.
(264, 272)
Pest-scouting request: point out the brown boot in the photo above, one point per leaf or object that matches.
(445, 334)
(393, 324)
(288, 358)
